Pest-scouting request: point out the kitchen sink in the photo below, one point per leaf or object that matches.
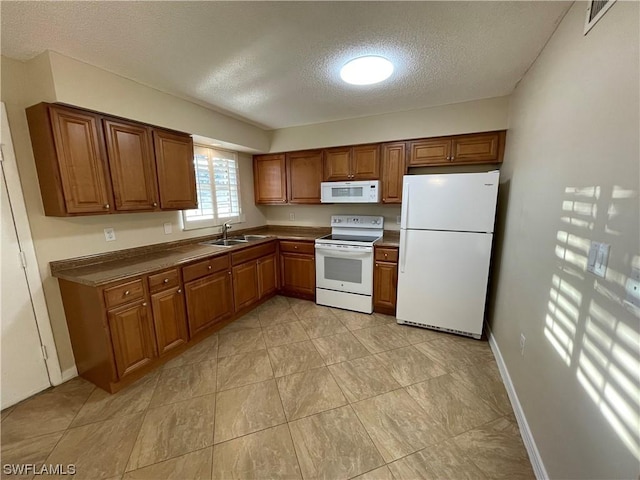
(225, 243)
(251, 238)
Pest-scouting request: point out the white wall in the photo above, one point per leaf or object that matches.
(66, 80)
(571, 175)
(468, 117)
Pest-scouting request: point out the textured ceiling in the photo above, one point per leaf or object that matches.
(276, 64)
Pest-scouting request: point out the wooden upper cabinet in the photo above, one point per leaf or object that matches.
(269, 179)
(132, 165)
(352, 163)
(304, 175)
(393, 171)
(337, 164)
(175, 169)
(478, 148)
(485, 147)
(430, 151)
(365, 162)
(70, 159)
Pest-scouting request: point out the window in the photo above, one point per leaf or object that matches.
(218, 187)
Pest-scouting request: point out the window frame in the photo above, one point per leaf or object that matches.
(216, 221)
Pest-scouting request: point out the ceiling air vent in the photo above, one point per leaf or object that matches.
(595, 11)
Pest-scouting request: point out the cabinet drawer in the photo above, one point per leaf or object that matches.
(386, 254)
(297, 247)
(252, 253)
(164, 280)
(200, 269)
(124, 293)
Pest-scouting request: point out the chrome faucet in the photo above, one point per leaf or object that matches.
(226, 226)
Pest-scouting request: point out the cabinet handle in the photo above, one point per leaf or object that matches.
(155, 204)
(209, 267)
(295, 247)
(127, 292)
(377, 265)
(386, 255)
(166, 280)
(452, 158)
(179, 290)
(229, 272)
(106, 206)
(144, 304)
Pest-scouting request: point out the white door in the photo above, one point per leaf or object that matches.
(22, 366)
(463, 202)
(442, 279)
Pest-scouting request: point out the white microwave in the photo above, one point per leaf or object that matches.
(364, 191)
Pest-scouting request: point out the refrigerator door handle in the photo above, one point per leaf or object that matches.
(403, 251)
(405, 205)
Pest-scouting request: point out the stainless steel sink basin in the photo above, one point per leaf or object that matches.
(251, 238)
(225, 243)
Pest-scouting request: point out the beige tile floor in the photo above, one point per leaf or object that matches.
(291, 390)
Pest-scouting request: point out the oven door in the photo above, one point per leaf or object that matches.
(345, 268)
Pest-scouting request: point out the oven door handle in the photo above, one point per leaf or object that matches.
(344, 253)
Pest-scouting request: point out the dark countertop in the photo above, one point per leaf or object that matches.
(101, 269)
(390, 238)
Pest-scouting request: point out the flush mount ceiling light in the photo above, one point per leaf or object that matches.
(366, 70)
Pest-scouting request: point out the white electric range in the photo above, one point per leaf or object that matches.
(344, 262)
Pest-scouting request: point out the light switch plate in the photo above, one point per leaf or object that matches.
(598, 258)
(168, 228)
(109, 234)
(292, 216)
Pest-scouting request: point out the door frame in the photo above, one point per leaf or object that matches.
(25, 240)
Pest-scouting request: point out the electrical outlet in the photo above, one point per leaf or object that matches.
(292, 216)
(632, 287)
(523, 340)
(168, 228)
(109, 234)
(398, 219)
(598, 258)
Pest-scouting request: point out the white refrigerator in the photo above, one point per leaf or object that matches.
(446, 233)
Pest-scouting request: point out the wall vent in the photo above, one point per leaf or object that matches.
(595, 11)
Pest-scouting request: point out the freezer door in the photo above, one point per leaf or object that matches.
(463, 202)
(442, 280)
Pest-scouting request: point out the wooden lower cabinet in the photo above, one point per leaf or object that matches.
(245, 285)
(132, 337)
(209, 300)
(385, 280)
(298, 275)
(169, 319)
(267, 275)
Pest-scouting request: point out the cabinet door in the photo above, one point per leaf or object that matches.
(176, 170)
(267, 275)
(304, 175)
(81, 160)
(365, 162)
(269, 179)
(337, 164)
(393, 170)
(480, 148)
(209, 300)
(169, 319)
(298, 274)
(385, 283)
(132, 337)
(245, 284)
(429, 152)
(132, 165)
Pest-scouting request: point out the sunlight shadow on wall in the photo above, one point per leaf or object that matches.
(587, 322)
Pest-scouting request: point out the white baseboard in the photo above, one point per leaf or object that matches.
(69, 373)
(525, 431)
